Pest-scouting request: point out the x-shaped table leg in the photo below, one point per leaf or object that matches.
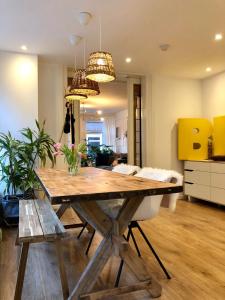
(113, 242)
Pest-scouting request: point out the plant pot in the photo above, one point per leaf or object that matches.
(10, 209)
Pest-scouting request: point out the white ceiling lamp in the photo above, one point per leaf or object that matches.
(99, 112)
(74, 39)
(84, 18)
(208, 69)
(100, 65)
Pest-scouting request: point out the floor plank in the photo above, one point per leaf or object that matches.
(191, 243)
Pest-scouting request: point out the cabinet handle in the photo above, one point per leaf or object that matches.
(187, 182)
(189, 170)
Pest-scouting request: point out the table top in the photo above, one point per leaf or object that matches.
(97, 184)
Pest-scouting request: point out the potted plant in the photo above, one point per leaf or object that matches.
(102, 155)
(18, 159)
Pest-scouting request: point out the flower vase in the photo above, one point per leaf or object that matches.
(74, 168)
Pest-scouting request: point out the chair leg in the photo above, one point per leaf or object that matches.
(135, 243)
(82, 230)
(153, 251)
(90, 242)
(122, 262)
(62, 271)
(21, 271)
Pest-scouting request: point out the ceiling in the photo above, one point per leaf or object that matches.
(112, 99)
(132, 28)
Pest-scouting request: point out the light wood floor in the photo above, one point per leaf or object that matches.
(191, 243)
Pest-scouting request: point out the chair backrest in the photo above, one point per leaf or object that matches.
(150, 206)
(170, 200)
(126, 169)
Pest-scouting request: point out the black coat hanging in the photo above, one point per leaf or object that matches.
(72, 120)
(66, 128)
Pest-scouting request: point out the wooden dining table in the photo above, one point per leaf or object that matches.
(82, 192)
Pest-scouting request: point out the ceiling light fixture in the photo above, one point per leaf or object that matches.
(74, 39)
(99, 112)
(84, 17)
(164, 47)
(128, 60)
(83, 85)
(218, 37)
(23, 47)
(208, 69)
(102, 119)
(74, 96)
(100, 65)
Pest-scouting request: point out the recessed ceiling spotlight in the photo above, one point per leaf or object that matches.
(128, 60)
(218, 37)
(23, 47)
(208, 69)
(102, 119)
(99, 112)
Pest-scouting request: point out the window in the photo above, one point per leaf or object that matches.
(94, 127)
(94, 139)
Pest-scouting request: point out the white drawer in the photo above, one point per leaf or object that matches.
(197, 165)
(218, 195)
(218, 167)
(198, 177)
(197, 191)
(218, 180)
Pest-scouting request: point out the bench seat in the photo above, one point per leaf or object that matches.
(39, 223)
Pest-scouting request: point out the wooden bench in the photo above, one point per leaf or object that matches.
(39, 223)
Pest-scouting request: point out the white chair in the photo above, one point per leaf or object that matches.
(149, 209)
(126, 169)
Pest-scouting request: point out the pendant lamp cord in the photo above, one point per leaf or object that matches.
(100, 33)
(75, 62)
(84, 51)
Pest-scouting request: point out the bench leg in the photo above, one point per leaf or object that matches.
(17, 238)
(21, 271)
(63, 277)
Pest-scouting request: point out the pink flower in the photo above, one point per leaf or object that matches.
(57, 146)
(72, 146)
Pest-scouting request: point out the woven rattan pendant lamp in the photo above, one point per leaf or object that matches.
(81, 84)
(74, 96)
(100, 65)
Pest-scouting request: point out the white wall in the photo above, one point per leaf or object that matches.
(18, 91)
(165, 100)
(51, 94)
(213, 96)
(51, 105)
(121, 119)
